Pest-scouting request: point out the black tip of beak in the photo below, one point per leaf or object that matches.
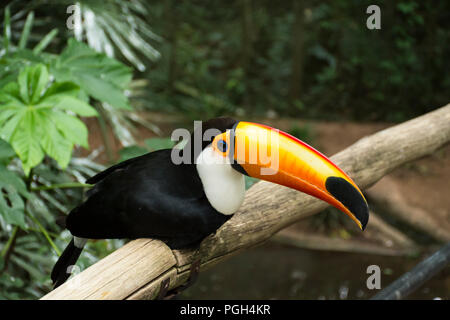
(350, 197)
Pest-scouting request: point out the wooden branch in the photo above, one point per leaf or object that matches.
(136, 270)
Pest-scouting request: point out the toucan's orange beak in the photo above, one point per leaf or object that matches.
(272, 155)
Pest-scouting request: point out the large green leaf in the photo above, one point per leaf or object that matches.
(10, 124)
(64, 96)
(72, 128)
(7, 112)
(53, 142)
(32, 81)
(26, 140)
(34, 121)
(101, 77)
(77, 106)
(58, 89)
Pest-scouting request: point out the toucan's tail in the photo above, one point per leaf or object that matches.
(62, 269)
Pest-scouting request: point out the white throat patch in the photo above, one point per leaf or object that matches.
(224, 186)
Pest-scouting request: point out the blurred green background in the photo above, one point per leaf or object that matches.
(132, 63)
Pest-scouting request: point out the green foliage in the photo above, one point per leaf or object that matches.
(151, 144)
(131, 152)
(229, 61)
(13, 190)
(28, 208)
(101, 77)
(34, 121)
(159, 143)
(42, 96)
(115, 28)
(6, 152)
(41, 92)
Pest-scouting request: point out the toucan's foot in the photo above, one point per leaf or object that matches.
(193, 276)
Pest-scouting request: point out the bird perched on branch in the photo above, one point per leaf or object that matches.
(182, 195)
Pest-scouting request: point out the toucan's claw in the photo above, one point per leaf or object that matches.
(164, 288)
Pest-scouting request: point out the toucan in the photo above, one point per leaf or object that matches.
(181, 202)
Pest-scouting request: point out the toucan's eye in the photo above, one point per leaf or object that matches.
(222, 145)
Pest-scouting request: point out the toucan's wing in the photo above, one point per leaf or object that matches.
(149, 197)
(120, 166)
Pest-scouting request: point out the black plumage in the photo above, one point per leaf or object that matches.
(147, 197)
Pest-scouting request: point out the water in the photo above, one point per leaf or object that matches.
(274, 271)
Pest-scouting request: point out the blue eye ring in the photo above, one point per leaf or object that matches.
(222, 145)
